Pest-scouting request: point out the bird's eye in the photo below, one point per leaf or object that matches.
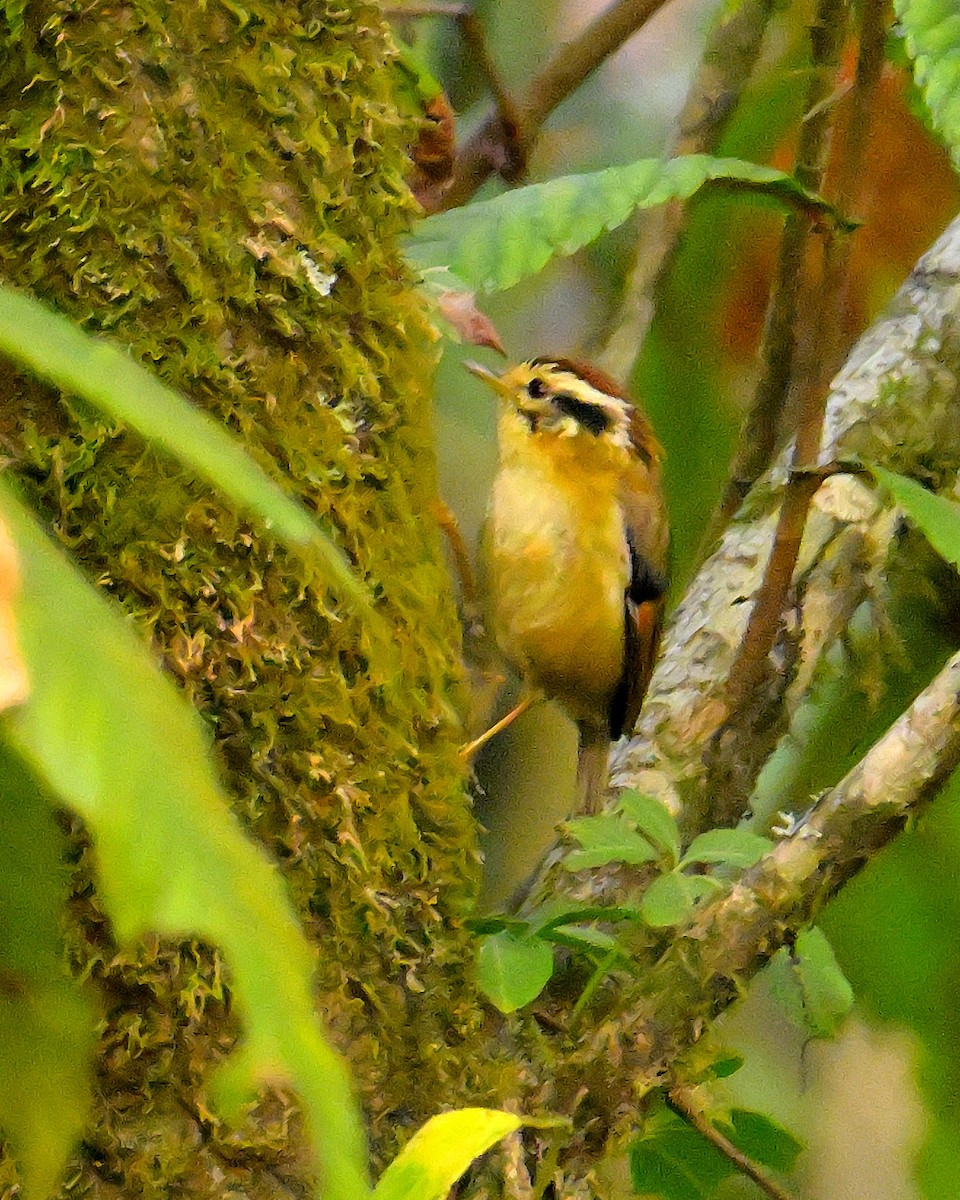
(536, 389)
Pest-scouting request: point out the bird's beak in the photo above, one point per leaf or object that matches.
(491, 380)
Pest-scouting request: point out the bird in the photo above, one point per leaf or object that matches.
(575, 548)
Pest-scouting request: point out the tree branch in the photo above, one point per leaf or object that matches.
(639, 1046)
(728, 61)
(488, 151)
(895, 403)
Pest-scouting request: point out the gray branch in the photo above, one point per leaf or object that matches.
(894, 403)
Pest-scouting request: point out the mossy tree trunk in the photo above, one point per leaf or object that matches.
(220, 187)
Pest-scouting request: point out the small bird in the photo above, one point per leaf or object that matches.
(575, 548)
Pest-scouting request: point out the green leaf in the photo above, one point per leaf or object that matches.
(46, 1051)
(54, 349)
(493, 244)
(931, 30)
(937, 518)
(513, 969)
(732, 847)
(809, 985)
(725, 1066)
(670, 1160)
(703, 887)
(827, 994)
(110, 736)
(438, 1154)
(652, 820)
(761, 1139)
(667, 901)
(605, 839)
(584, 937)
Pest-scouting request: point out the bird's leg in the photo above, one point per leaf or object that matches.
(527, 700)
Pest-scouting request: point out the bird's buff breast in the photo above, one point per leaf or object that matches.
(558, 564)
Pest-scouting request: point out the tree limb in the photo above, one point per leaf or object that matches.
(487, 152)
(894, 402)
(710, 961)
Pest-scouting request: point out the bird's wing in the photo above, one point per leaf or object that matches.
(648, 540)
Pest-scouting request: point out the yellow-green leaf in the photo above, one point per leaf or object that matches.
(439, 1153)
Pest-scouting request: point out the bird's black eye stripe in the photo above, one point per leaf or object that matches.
(590, 416)
(536, 389)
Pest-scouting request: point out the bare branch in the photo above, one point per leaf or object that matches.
(728, 61)
(488, 152)
(805, 361)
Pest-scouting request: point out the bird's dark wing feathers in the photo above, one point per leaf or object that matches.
(643, 605)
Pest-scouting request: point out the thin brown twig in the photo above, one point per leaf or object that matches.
(780, 373)
(826, 349)
(682, 1103)
(508, 114)
(486, 151)
(727, 64)
(437, 9)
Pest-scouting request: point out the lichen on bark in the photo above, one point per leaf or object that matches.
(220, 187)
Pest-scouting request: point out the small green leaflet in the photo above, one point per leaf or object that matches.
(729, 847)
(438, 1154)
(937, 518)
(667, 901)
(493, 244)
(671, 1161)
(761, 1139)
(606, 838)
(810, 986)
(652, 820)
(513, 969)
(931, 30)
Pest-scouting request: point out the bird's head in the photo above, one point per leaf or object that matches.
(570, 406)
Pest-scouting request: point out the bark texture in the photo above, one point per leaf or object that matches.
(221, 187)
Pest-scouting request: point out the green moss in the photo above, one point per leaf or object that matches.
(220, 187)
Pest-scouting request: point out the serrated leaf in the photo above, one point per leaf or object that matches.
(605, 839)
(109, 735)
(732, 847)
(667, 901)
(826, 991)
(513, 969)
(937, 518)
(46, 1052)
(931, 30)
(762, 1139)
(493, 244)
(671, 1161)
(54, 349)
(438, 1154)
(652, 820)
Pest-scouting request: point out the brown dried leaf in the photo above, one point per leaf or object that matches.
(459, 309)
(434, 154)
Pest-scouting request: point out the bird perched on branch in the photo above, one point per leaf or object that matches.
(575, 549)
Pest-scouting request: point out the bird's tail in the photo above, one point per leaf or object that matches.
(592, 768)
